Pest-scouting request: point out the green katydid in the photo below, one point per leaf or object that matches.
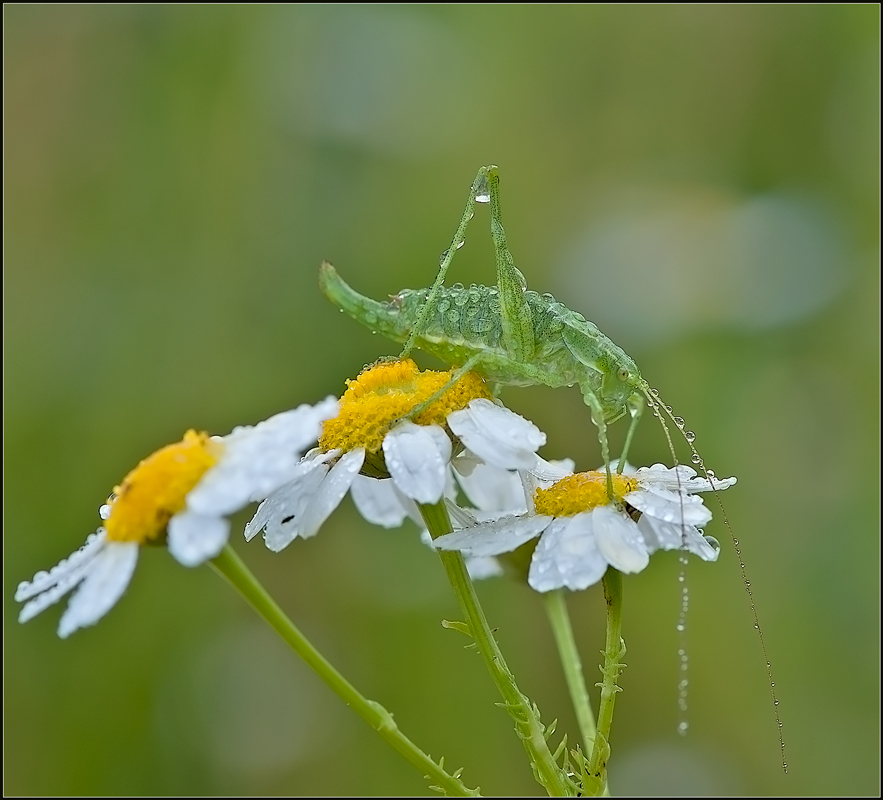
(509, 335)
(516, 337)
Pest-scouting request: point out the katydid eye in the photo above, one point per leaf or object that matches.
(623, 374)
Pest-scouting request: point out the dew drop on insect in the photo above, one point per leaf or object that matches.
(482, 198)
(654, 392)
(682, 727)
(442, 257)
(679, 421)
(690, 437)
(696, 459)
(710, 473)
(458, 286)
(370, 318)
(668, 408)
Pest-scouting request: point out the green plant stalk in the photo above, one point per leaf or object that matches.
(556, 610)
(527, 723)
(231, 567)
(614, 650)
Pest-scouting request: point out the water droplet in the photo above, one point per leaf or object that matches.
(714, 543)
(482, 198)
(682, 727)
(668, 408)
(654, 392)
(711, 473)
(442, 257)
(680, 627)
(679, 421)
(690, 436)
(104, 511)
(460, 244)
(370, 318)
(696, 459)
(775, 702)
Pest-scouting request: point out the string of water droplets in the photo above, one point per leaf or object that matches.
(683, 684)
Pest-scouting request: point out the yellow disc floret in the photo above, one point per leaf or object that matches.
(581, 492)
(389, 391)
(155, 490)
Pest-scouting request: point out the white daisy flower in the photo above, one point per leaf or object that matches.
(581, 533)
(370, 439)
(180, 495)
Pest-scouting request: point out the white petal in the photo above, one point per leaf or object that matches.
(417, 458)
(70, 568)
(619, 539)
(336, 484)
(681, 478)
(107, 578)
(492, 538)
(377, 501)
(287, 503)
(491, 488)
(195, 538)
(671, 536)
(484, 567)
(551, 471)
(497, 435)
(257, 460)
(669, 506)
(567, 556)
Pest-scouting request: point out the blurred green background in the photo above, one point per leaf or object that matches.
(702, 182)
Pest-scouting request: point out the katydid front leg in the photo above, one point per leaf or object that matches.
(477, 193)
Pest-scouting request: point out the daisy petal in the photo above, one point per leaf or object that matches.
(669, 506)
(67, 570)
(417, 457)
(619, 539)
(377, 501)
(336, 484)
(671, 536)
(492, 538)
(195, 538)
(280, 514)
(484, 567)
(106, 580)
(259, 459)
(491, 488)
(498, 436)
(567, 556)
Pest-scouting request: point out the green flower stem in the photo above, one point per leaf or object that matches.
(231, 567)
(527, 723)
(614, 650)
(556, 609)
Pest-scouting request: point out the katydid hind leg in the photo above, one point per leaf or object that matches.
(517, 323)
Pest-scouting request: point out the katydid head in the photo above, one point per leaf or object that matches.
(618, 384)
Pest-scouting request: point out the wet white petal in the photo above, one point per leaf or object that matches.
(497, 435)
(491, 488)
(669, 506)
(108, 576)
(484, 567)
(377, 501)
(195, 538)
(417, 458)
(567, 556)
(619, 539)
(671, 536)
(258, 459)
(492, 538)
(551, 471)
(336, 484)
(681, 478)
(280, 514)
(67, 570)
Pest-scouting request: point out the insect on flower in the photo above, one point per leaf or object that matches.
(516, 337)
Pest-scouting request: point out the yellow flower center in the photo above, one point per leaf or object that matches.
(581, 492)
(155, 490)
(388, 391)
